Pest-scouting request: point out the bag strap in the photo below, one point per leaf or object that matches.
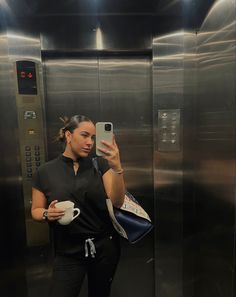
(95, 165)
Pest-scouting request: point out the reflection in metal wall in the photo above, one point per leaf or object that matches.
(189, 162)
(215, 158)
(117, 90)
(197, 72)
(168, 74)
(194, 178)
(126, 100)
(72, 87)
(31, 147)
(125, 85)
(12, 222)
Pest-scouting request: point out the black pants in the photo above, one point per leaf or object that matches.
(69, 271)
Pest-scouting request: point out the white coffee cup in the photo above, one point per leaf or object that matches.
(69, 216)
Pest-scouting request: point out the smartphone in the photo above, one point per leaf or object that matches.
(104, 131)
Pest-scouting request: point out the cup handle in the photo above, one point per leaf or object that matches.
(78, 212)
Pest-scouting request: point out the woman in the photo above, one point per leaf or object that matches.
(89, 244)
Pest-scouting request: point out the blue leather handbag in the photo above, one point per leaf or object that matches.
(131, 221)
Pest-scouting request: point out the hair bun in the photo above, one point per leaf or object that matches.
(65, 120)
(61, 135)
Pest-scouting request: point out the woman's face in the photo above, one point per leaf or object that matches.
(81, 140)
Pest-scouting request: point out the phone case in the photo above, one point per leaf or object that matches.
(102, 134)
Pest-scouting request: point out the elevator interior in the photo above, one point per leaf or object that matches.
(164, 72)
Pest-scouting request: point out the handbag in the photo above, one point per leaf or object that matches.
(131, 221)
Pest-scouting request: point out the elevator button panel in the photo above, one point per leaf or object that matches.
(169, 130)
(31, 163)
(30, 112)
(30, 119)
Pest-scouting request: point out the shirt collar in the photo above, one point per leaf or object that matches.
(68, 159)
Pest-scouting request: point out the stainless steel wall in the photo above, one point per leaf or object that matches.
(34, 236)
(209, 155)
(190, 194)
(116, 89)
(168, 82)
(195, 240)
(190, 221)
(12, 220)
(215, 114)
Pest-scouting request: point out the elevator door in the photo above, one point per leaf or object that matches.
(116, 89)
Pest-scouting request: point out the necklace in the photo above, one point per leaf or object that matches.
(76, 166)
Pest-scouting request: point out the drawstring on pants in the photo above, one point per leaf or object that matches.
(89, 245)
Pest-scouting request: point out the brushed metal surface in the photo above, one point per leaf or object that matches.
(168, 59)
(12, 220)
(168, 94)
(189, 162)
(215, 157)
(194, 205)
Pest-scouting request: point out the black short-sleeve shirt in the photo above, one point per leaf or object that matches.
(57, 181)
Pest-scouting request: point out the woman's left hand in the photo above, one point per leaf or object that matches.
(112, 154)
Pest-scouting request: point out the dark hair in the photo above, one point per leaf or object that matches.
(70, 124)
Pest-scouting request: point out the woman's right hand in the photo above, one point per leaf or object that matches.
(54, 213)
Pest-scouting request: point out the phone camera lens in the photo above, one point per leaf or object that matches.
(107, 127)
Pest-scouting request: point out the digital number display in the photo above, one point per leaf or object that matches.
(26, 77)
